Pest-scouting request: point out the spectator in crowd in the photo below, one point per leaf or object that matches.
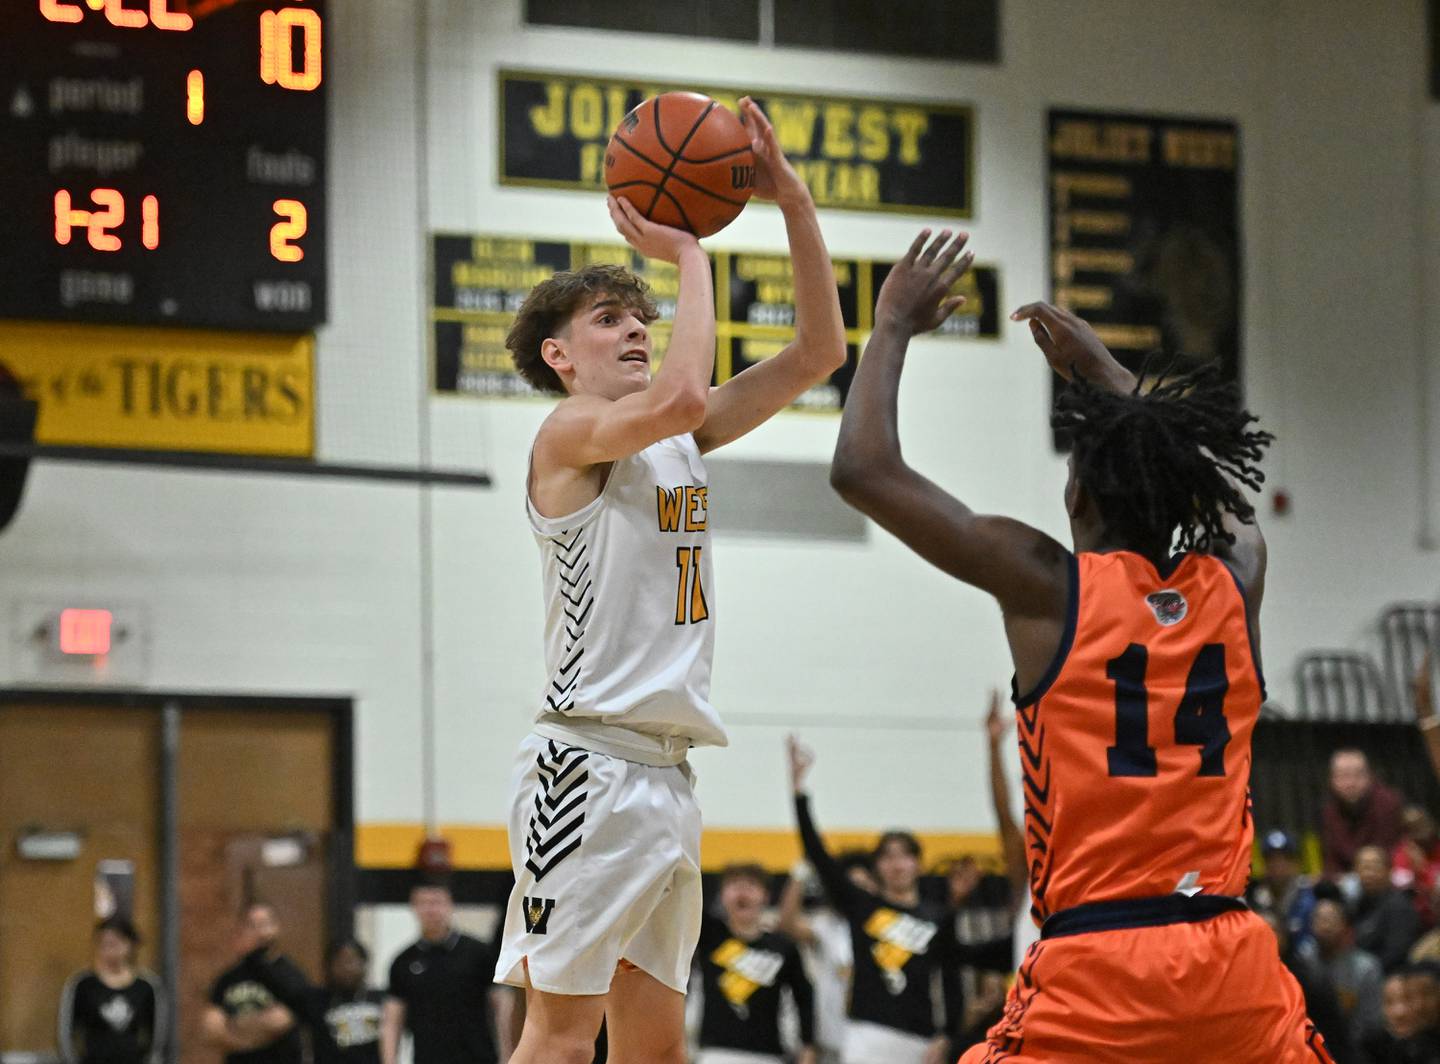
(343, 1015)
(352, 1010)
(744, 971)
(1355, 975)
(901, 946)
(1385, 920)
(823, 935)
(244, 1019)
(1283, 890)
(1359, 811)
(1322, 1004)
(442, 990)
(1408, 1034)
(1415, 864)
(112, 1013)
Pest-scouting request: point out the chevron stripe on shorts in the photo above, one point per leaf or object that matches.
(559, 813)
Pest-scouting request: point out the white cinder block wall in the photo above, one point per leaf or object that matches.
(255, 584)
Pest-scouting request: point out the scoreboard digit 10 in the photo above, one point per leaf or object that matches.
(163, 162)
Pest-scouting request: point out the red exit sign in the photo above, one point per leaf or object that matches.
(85, 632)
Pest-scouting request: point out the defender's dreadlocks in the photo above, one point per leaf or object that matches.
(1165, 457)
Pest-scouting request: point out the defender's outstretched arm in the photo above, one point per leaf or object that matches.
(1023, 568)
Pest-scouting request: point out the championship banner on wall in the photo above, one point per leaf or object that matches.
(166, 389)
(862, 154)
(1145, 233)
(481, 281)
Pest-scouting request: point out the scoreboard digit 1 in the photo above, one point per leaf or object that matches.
(164, 162)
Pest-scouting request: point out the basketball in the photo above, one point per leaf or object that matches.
(683, 160)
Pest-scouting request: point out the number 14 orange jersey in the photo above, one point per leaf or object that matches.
(1135, 746)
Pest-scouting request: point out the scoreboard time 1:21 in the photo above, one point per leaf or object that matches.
(164, 162)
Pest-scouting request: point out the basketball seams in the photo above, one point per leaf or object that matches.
(674, 153)
(678, 177)
(713, 158)
(678, 206)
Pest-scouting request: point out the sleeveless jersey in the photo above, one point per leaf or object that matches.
(1135, 746)
(630, 601)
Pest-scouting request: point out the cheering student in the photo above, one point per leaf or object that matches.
(744, 970)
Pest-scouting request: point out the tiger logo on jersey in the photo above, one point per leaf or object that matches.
(1168, 606)
(898, 938)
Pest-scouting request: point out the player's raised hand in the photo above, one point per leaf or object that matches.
(1071, 346)
(915, 295)
(994, 720)
(651, 239)
(801, 758)
(775, 178)
(1422, 688)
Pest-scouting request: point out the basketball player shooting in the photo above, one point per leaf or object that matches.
(604, 827)
(1137, 687)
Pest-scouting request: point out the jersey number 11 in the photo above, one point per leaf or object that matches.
(690, 605)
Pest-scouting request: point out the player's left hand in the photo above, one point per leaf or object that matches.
(915, 294)
(807, 1056)
(775, 178)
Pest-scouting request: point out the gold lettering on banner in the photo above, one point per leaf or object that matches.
(1129, 337)
(1067, 262)
(1084, 297)
(549, 120)
(192, 390)
(1108, 142)
(1200, 149)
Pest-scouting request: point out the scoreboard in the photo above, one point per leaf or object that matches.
(163, 162)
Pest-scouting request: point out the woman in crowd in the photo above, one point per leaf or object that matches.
(112, 1013)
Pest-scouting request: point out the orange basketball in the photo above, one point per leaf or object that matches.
(682, 160)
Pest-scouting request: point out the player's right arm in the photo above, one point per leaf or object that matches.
(1026, 570)
(587, 430)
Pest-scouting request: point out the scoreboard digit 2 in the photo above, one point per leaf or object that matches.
(163, 162)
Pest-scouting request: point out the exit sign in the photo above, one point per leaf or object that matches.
(85, 632)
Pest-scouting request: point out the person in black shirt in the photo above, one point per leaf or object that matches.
(343, 1015)
(244, 1019)
(113, 1013)
(442, 990)
(901, 945)
(352, 1009)
(743, 970)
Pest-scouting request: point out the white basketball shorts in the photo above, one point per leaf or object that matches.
(606, 855)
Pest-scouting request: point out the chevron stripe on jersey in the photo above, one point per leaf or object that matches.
(559, 813)
(577, 592)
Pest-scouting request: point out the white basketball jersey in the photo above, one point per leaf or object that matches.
(630, 601)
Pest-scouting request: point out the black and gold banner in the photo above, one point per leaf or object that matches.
(480, 282)
(1145, 239)
(863, 154)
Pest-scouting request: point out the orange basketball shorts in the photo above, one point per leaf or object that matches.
(1213, 990)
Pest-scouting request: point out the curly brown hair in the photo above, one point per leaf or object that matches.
(551, 304)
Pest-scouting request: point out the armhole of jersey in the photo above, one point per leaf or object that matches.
(1249, 629)
(549, 526)
(1067, 639)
